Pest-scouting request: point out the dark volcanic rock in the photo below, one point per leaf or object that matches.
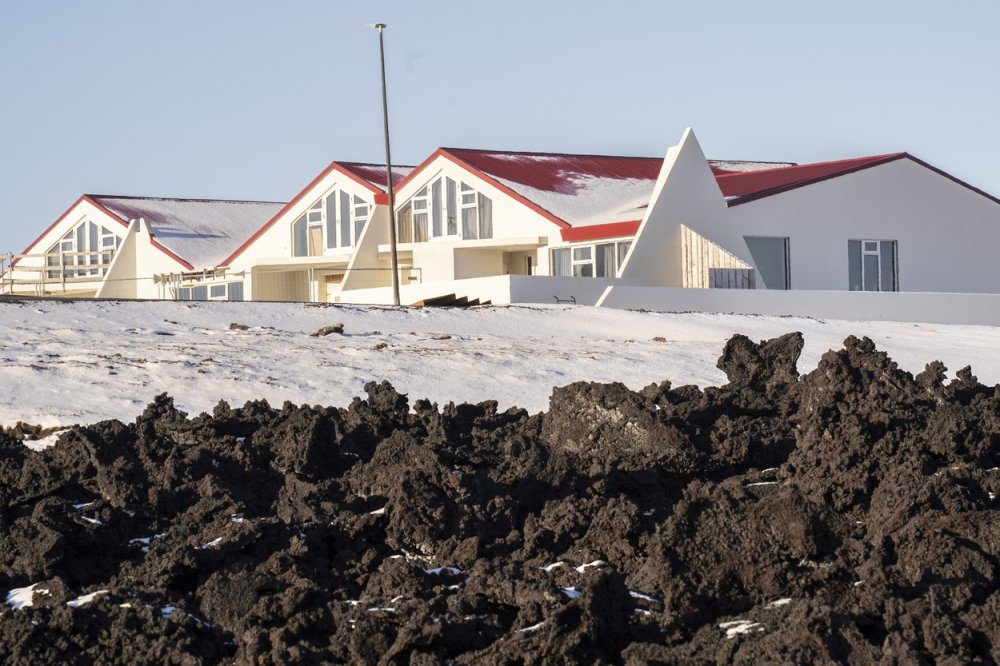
(848, 515)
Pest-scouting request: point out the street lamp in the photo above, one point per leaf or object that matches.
(394, 259)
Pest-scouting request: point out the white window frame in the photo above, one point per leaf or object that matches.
(320, 215)
(425, 203)
(872, 247)
(107, 243)
(621, 250)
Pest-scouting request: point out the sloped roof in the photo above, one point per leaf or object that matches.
(374, 174)
(742, 187)
(580, 190)
(201, 232)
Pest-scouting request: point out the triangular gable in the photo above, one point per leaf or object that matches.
(62, 218)
(363, 174)
(686, 193)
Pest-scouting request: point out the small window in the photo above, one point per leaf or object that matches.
(217, 291)
(581, 253)
(199, 293)
(770, 256)
(871, 265)
(235, 291)
(300, 238)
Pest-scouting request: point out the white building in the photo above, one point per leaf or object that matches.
(321, 242)
(137, 247)
(501, 226)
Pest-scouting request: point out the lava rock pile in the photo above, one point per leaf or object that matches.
(846, 515)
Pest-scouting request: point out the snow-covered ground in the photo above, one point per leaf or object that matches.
(80, 362)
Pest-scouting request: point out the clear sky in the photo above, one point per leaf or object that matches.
(251, 99)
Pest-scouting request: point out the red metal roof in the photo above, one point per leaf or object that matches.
(555, 172)
(750, 185)
(375, 173)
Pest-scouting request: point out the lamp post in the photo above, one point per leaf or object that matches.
(394, 259)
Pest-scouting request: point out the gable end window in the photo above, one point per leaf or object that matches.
(445, 209)
(85, 250)
(335, 221)
(872, 265)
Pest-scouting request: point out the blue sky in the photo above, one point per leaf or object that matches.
(251, 99)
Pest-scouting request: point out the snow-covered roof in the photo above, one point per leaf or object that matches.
(202, 232)
(583, 190)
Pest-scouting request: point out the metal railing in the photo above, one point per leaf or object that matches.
(54, 272)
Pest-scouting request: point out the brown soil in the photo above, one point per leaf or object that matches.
(847, 515)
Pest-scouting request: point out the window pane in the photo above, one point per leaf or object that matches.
(184, 294)
(235, 291)
(888, 265)
(345, 220)
(606, 260)
(470, 223)
(770, 255)
(92, 232)
(623, 247)
(331, 220)
(419, 227)
(359, 226)
(581, 253)
(854, 265)
(199, 293)
(452, 208)
(436, 208)
(404, 225)
(561, 264)
(583, 270)
(300, 243)
(217, 291)
(870, 268)
(485, 217)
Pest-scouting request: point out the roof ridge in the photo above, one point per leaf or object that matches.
(190, 199)
(376, 164)
(552, 154)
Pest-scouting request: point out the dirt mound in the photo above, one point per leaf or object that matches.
(845, 515)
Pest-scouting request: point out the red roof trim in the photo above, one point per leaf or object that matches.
(443, 152)
(601, 231)
(753, 196)
(85, 197)
(333, 166)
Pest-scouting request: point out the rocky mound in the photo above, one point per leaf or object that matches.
(845, 515)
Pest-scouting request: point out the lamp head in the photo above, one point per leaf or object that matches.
(377, 26)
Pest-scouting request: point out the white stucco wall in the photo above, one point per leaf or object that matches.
(948, 236)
